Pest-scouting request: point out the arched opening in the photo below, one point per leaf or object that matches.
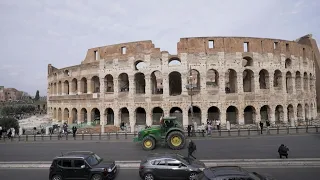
(74, 86)
(288, 63)
(66, 87)
(66, 73)
(212, 82)
(277, 80)
(289, 82)
(248, 81)
(95, 84)
(194, 80)
(264, 79)
(109, 116)
(194, 115)
(265, 113)
(66, 115)
(232, 115)
(157, 113)
(174, 61)
(279, 115)
(249, 115)
(59, 88)
(124, 115)
(299, 112)
(140, 83)
(84, 85)
(108, 81)
(306, 112)
(247, 61)
(231, 81)
(298, 81)
(59, 115)
(175, 87)
(213, 113)
(177, 112)
(305, 81)
(123, 82)
(74, 116)
(84, 115)
(156, 82)
(290, 114)
(140, 116)
(139, 65)
(95, 116)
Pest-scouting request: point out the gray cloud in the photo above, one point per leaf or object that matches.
(35, 33)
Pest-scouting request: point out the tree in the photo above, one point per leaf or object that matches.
(37, 97)
(10, 122)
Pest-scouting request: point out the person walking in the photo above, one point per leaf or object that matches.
(261, 126)
(191, 148)
(283, 151)
(74, 131)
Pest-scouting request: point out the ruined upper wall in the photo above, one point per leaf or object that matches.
(121, 51)
(236, 44)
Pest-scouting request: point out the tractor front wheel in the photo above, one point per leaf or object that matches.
(176, 140)
(148, 143)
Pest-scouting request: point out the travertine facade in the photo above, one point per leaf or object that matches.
(236, 79)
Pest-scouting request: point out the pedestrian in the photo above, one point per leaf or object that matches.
(191, 148)
(283, 151)
(74, 131)
(268, 125)
(218, 124)
(189, 130)
(0, 132)
(261, 126)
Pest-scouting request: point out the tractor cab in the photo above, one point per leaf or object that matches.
(169, 122)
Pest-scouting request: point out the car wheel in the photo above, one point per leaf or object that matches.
(96, 177)
(148, 143)
(193, 176)
(148, 176)
(56, 177)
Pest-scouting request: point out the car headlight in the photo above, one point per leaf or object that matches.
(201, 169)
(109, 169)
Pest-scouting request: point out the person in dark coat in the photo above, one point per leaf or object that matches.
(191, 148)
(283, 151)
(261, 126)
(189, 130)
(74, 131)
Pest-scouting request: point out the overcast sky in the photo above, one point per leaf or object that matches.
(35, 33)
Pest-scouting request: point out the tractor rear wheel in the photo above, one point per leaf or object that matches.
(148, 143)
(176, 140)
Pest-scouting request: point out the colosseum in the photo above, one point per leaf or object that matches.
(240, 80)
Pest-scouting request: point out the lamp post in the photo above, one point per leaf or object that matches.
(190, 87)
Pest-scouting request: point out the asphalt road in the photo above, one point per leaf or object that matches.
(278, 173)
(304, 146)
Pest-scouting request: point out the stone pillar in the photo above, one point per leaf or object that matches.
(148, 118)
(132, 87)
(102, 87)
(293, 80)
(285, 115)
(185, 120)
(117, 119)
(223, 117)
(203, 83)
(271, 81)
(63, 89)
(165, 84)
(272, 115)
(102, 121)
(283, 82)
(148, 86)
(256, 83)
(239, 82)
(89, 86)
(204, 116)
(116, 86)
(132, 120)
(71, 92)
(222, 83)
(89, 117)
(184, 82)
(257, 116)
(79, 87)
(241, 116)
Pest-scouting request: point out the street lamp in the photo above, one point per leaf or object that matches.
(190, 87)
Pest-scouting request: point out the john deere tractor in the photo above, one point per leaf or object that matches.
(170, 132)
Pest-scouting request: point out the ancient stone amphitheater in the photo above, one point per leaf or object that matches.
(242, 80)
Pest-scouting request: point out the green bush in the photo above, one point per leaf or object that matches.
(7, 123)
(17, 110)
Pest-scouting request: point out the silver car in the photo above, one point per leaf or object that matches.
(169, 166)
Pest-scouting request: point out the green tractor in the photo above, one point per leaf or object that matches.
(170, 131)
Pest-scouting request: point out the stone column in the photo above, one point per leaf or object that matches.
(257, 116)
(223, 117)
(293, 80)
(165, 84)
(102, 88)
(241, 116)
(116, 86)
(256, 83)
(240, 82)
(132, 120)
(203, 83)
(148, 118)
(116, 117)
(63, 89)
(285, 115)
(185, 120)
(184, 82)
(271, 79)
(222, 84)
(204, 116)
(79, 85)
(148, 86)
(89, 86)
(102, 121)
(89, 117)
(71, 92)
(272, 116)
(283, 82)
(132, 87)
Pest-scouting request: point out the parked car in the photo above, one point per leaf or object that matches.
(230, 172)
(169, 166)
(84, 165)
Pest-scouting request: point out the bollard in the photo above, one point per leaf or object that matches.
(18, 138)
(316, 128)
(74, 137)
(58, 137)
(50, 137)
(26, 137)
(239, 132)
(125, 135)
(82, 136)
(117, 136)
(249, 132)
(42, 137)
(90, 136)
(4, 138)
(134, 133)
(34, 138)
(297, 129)
(229, 133)
(307, 131)
(99, 136)
(277, 129)
(202, 133)
(67, 136)
(288, 130)
(11, 139)
(108, 136)
(219, 132)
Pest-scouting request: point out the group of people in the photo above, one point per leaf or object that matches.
(261, 126)
(11, 132)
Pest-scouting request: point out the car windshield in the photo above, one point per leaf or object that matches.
(93, 160)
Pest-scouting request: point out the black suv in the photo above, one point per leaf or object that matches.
(84, 165)
(230, 173)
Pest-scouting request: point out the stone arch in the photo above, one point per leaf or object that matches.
(265, 113)
(74, 86)
(84, 86)
(157, 113)
(232, 115)
(248, 80)
(175, 83)
(305, 81)
(174, 61)
(194, 81)
(123, 82)
(124, 115)
(290, 114)
(289, 83)
(66, 115)
(213, 113)
(279, 115)
(141, 116)
(307, 111)
(298, 80)
(249, 115)
(178, 113)
(109, 116)
(212, 81)
(264, 81)
(139, 65)
(277, 80)
(156, 82)
(66, 72)
(66, 87)
(83, 115)
(140, 83)
(109, 84)
(299, 112)
(231, 81)
(74, 115)
(196, 115)
(95, 84)
(288, 63)
(95, 115)
(59, 88)
(59, 115)
(247, 61)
